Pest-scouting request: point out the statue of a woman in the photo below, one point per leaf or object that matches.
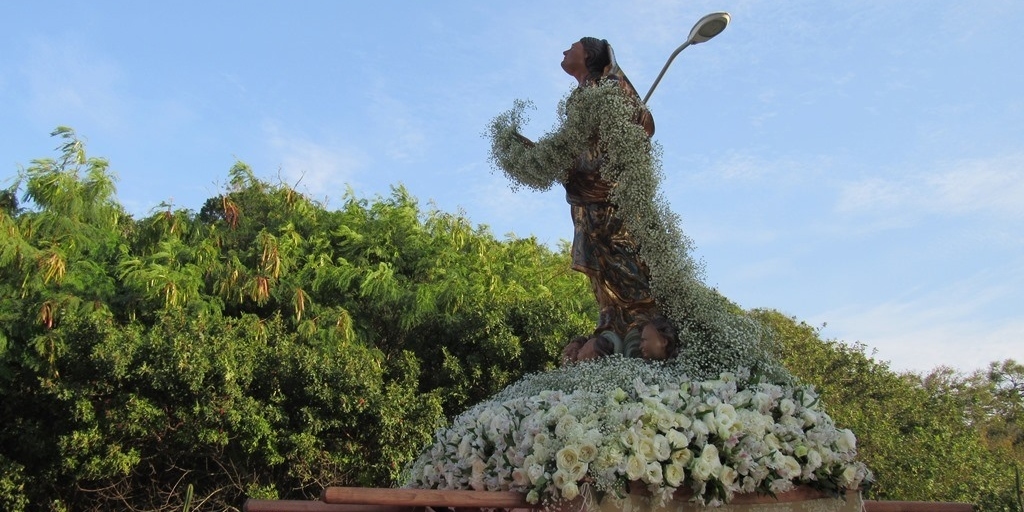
(627, 240)
(602, 247)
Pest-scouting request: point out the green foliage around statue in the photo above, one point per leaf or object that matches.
(263, 347)
(941, 437)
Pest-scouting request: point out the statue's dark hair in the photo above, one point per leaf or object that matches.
(603, 346)
(598, 56)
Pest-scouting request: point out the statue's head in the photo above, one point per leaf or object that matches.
(658, 339)
(597, 56)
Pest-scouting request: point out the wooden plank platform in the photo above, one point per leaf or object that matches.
(915, 506)
(425, 497)
(366, 499)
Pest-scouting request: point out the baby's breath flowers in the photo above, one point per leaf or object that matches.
(593, 427)
(715, 335)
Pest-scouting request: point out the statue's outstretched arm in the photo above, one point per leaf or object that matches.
(537, 165)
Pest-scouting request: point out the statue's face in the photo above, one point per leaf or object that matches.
(574, 61)
(652, 344)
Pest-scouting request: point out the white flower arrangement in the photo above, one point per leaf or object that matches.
(585, 433)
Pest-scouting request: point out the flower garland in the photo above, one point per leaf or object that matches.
(575, 430)
(714, 335)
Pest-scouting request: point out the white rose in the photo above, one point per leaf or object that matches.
(567, 457)
(809, 397)
(809, 418)
(848, 477)
(709, 453)
(588, 451)
(564, 425)
(635, 467)
(541, 438)
(574, 432)
(533, 497)
(708, 463)
(609, 457)
(540, 451)
(847, 442)
(683, 421)
(664, 421)
(788, 467)
(557, 412)
(653, 473)
(682, 456)
(674, 474)
(813, 460)
(791, 423)
(560, 477)
(787, 407)
(728, 476)
(725, 418)
(645, 448)
(535, 472)
(578, 471)
(702, 470)
(761, 402)
(677, 439)
(629, 438)
(662, 448)
(520, 478)
(570, 490)
(476, 480)
(700, 428)
(465, 446)
(741, 399)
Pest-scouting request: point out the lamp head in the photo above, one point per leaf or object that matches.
(709, 26)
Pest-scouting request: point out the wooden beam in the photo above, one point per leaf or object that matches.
(358, 499)
(425, 497)
(252, 505)
(915, 506)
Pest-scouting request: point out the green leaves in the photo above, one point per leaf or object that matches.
(265, 346)
(925, 437)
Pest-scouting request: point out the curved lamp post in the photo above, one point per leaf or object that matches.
(707, 27)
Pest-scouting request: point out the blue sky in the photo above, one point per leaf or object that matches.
(854, 164)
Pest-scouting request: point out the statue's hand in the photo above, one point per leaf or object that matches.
(526, 142)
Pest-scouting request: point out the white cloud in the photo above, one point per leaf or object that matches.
(523, 212)
(873, 194)
(68, 83)
(314, 166)
(993, 186)
(747, 167)
(400, 130)
(958, 325)
(990, 185)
